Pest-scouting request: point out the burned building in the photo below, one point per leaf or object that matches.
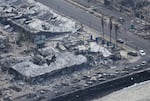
(139, 8)
(32, 19)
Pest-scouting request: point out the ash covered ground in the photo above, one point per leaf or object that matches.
(39, 66)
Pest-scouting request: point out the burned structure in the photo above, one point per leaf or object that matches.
(138, 8)
(36, 23)
(33, 20)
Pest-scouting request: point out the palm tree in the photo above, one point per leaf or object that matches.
(116, 33)
(110, 27)
(89, 2)
(102, 23)
(134, 8)
(111, 3)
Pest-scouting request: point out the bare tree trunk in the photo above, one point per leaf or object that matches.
(116, 33)
(110, 27)
(102, 23)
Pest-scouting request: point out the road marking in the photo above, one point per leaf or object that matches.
(96, 33)
(92, 30)
(90, 10)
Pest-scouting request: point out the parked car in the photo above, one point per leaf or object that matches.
(142, 52)
(132, 53)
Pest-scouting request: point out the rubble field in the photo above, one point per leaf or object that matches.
(34, 65)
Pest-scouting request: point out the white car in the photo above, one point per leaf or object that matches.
(143, 63)
(121, 41)
(142, 53)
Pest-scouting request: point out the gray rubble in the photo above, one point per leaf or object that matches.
(63, 60)
(3, 42)
(34, 16)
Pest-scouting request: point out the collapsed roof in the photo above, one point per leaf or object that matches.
(35, 16)
(63, 60)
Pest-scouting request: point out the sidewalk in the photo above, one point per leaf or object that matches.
(95, 34)
(98, 13)
(88, 29)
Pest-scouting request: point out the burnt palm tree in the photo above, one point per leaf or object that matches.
(110, 28)
(89, 2)
(116, 33)
(102, 23)
(111, 3)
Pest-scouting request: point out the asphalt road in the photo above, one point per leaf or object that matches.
(94, 22)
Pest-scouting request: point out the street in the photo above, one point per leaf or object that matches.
(94, 22)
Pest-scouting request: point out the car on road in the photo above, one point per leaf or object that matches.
(30, 95)
(137, 67)
(120, 41)
(121, 20)
(94, 8)
(90, 11)
(143, 63)
(43, 91)
(142, 52)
